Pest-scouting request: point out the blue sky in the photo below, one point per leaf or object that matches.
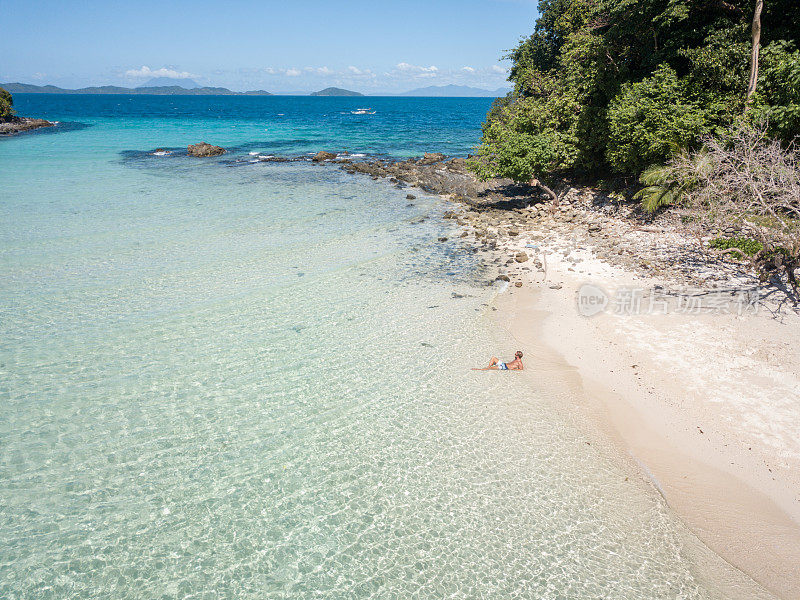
(290, 45)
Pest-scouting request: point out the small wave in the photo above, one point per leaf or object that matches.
(264, 156)
(162, 153)
(253, 153)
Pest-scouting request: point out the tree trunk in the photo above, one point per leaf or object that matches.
(751, 86)
(545, 189)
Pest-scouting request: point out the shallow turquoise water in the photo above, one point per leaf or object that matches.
(236, 380)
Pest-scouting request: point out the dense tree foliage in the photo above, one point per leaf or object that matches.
(619, 85)
(6, 104)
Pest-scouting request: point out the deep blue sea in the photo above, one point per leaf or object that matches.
(280, 125)
(229, 378)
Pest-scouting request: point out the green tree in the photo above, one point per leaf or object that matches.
(6, 105)
(619, 85)
(650, 120)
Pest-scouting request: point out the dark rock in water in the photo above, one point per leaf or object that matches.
(521, 257)
(449, 215)
(323, 156)
(15, 125)
(594, 227)
(431, 158)
(555, 287)
(204, 149)
(410, 197)
(442, 239)
(503, 278)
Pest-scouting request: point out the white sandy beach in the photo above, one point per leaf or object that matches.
(706, 405)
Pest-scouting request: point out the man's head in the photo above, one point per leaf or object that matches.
(518, 355)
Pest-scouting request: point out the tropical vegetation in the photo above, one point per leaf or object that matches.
(621, 85)
(6, 105)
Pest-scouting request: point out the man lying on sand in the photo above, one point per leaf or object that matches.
(496, 365)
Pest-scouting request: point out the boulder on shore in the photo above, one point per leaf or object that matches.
(204, 149)
(323, 156)
(431, 158)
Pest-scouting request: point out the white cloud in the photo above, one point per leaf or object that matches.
(468, 69)
(162, 72)
(354, 70)
(292, 72)
(403, 66)
(499, 69)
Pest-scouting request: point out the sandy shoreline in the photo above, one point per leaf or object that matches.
(707, 406)
(690, 373)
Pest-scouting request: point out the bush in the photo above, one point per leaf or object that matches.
(6, 105)
(528, 139)
(651, 120)
(740, 246)
(778, 98)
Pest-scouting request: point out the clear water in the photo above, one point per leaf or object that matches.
(234, 380)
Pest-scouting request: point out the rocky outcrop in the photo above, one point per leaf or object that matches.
(323, 156)
(431, 158)
(436, 174)
(19, 124)
(204, 149)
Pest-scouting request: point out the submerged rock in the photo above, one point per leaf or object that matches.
(204, 149)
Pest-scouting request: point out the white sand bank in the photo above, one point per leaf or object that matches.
(706, 404)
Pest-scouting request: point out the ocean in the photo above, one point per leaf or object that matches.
(229, 378)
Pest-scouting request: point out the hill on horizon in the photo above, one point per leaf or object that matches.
(187, 84)
(456, 91)
(334, 91)
(159, 90)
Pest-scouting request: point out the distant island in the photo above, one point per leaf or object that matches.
(334, 91)
(157, 90)
(188, 84)
(163, 86)
(456, 91)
